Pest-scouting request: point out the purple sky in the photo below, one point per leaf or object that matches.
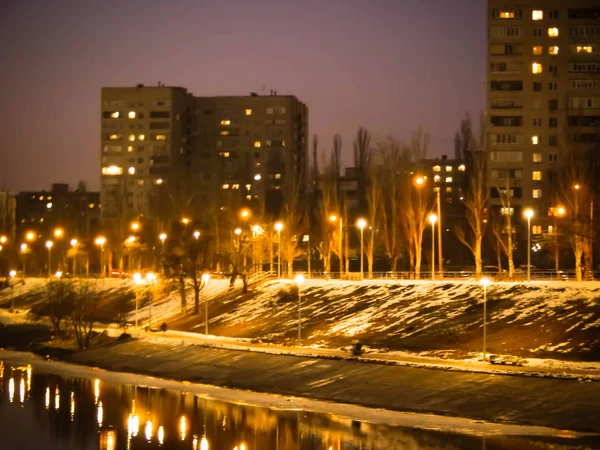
(389, 65)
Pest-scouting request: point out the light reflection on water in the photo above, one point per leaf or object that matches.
(93, 414)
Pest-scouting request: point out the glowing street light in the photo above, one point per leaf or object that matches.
(205, 278)
(131, 240)
(432, 220)
(299, 281)
(484, 282)
(238, 231)
(58, 274)
(196, 234)
(278, 227)
(186, 221)
(30, 236)
(49, 245)
(419, 181)
(74, 242)
(12, 274)
(245, 213)
(334, 218)
(361, 223)
(59, 233)
(3, 239)
(559, 211)
(135, 226)
(529, 214)
(100, 241)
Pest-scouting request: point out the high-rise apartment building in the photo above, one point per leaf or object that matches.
(160, 142)
(543, 96)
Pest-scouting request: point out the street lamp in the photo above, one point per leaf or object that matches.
(245, 213)
(205, 278)
(334, 218)
(59, 233)
(279, 227)
(12, 274)
(24, 251)
(484, 282)
(529, 214)
(238, 231)
(299, 280)
(74, 244)
(150, 278)
(58, 274)
(30, 236)
(49, 245)
(432, 219)
(559, 211)
(135, 226)
(361, 223)
(185, 220)
(196, 234)
(3, 239)
(100, 241)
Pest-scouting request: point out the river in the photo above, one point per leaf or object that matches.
(39, 409)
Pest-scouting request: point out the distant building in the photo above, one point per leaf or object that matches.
(163, 149)
(77, 212)
(7, 214)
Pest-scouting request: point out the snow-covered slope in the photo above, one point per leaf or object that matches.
(536, 319)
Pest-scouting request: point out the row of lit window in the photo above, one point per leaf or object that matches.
(461, 168)
(536, 14)
(116, 170)
(140, 137)
(437, 179)
(49, 197)
(539, 50)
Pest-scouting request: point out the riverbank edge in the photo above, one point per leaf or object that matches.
(431, 421)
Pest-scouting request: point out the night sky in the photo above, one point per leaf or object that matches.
(389, 65)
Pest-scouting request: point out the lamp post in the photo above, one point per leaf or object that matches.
(334, 218)
(279, 227)
(484, 282)
(135, 226)
(100, 241)
(559, 212)
(151, 278)
(12, 274)
(529, 214)
(137, 279)
(439, 233)
(74, 244)
(432, 219)
(299, 280)
(49, 245)
(361, 223)
(205, 278)
(24, 250)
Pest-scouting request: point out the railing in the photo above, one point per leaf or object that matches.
(518, 275)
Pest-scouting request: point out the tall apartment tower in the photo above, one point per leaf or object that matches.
(231, 151)
(543, 93)
(146, 135)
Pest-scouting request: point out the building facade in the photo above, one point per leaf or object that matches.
(543, 98)
(161, 143)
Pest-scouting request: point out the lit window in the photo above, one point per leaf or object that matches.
(141, 137)
(49, 197)
(538, 50)
(553, 32)
(507, 211)
(130, 148)
(49, 205)
(553, 50)
(225, 122)
(224, 133)
(507, 14)
(537, 14)
(131, 114)
(536, 175)
(436, 178)
(448, 179)
(112, 170)
(248, 112)
(161, 137)
(537, 157)
(536, 229)
(115, 115)
(92, 205)
(448, 168)
(140, 182)
(248, 197)
(224, 154)
(535, 140)
(114, 137)
(235, 186)
(257, 144)
(41, 197)
(225, 186)
(257, 177)
(277, 176)
(537, 193)
(131, 171)
(437, 168)
(158, 181)
(584, 49)
(448, 189)
(461, 168)
(248, 187)
(536, 68)
(550, 229)
(283, 143)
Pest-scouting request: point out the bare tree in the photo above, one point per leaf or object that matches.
(83, 313)
(374, 197)
(476, 195)
(504, 232)
(58, 302)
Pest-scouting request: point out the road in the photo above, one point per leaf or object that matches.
(557, 403)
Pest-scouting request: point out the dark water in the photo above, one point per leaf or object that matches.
(46, 411)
